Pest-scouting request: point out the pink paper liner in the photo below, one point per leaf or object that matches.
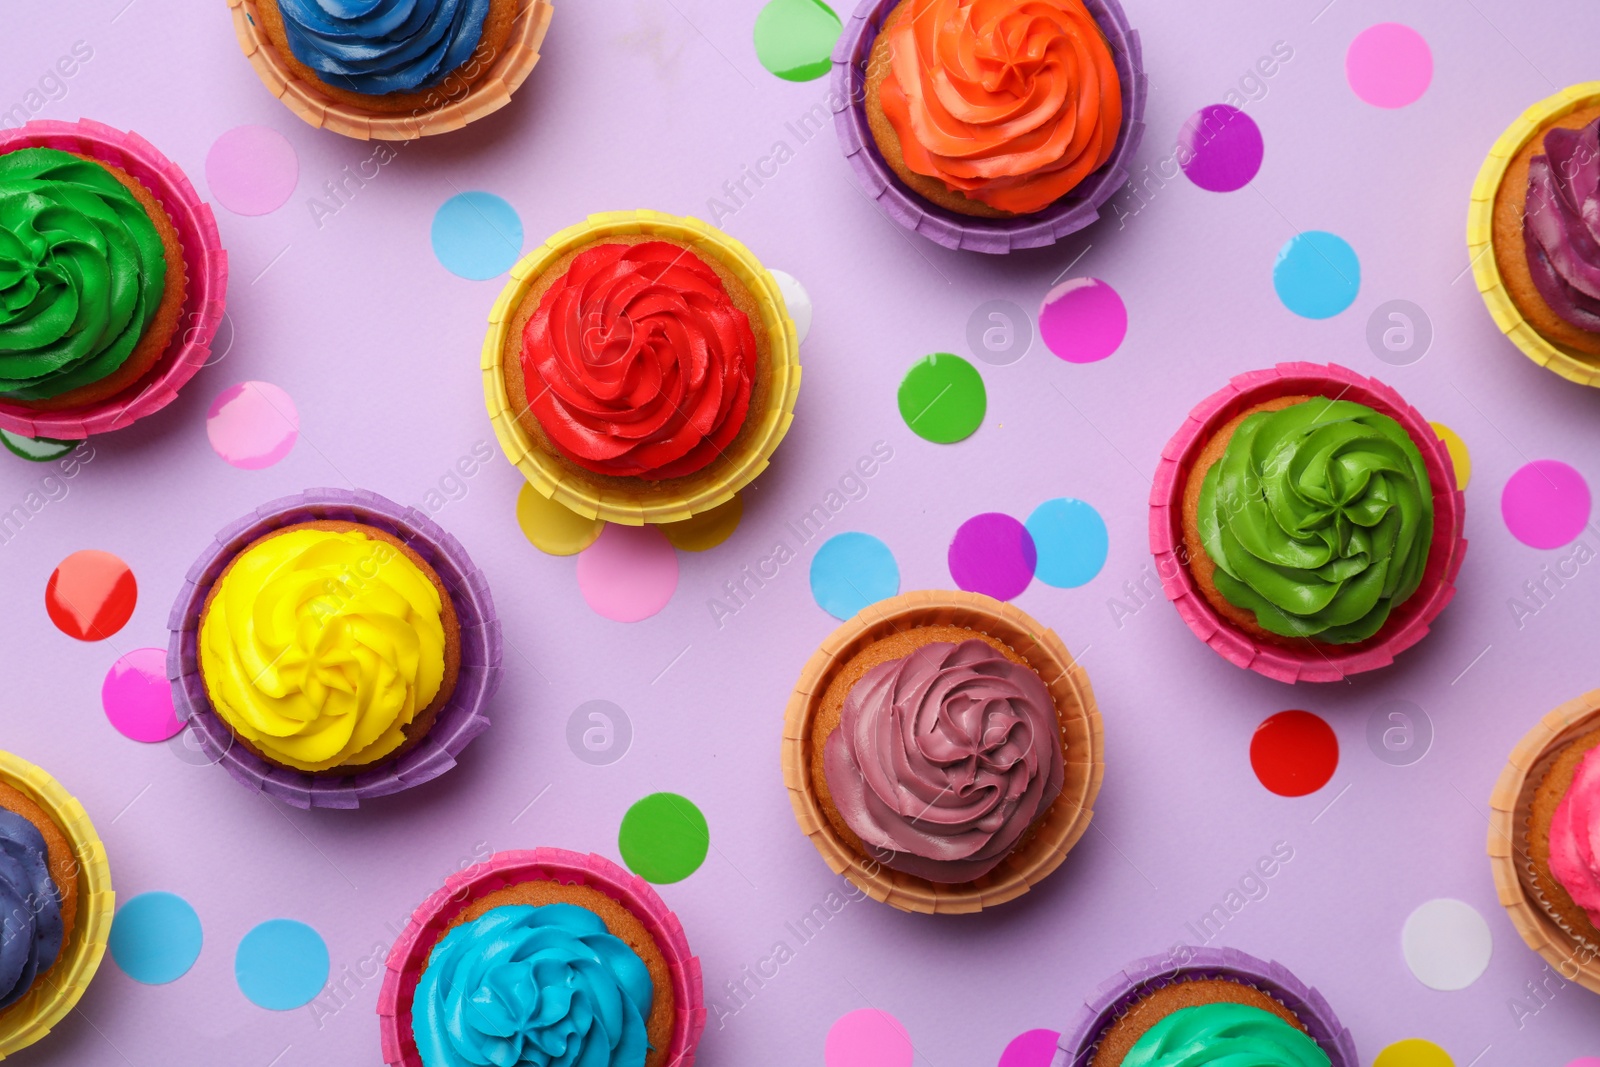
(1406, 625)
(203, 255)
(410, 952)
(1081, 1036)
(464, 715)
(1066, 216)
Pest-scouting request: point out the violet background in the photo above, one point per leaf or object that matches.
(656, 103)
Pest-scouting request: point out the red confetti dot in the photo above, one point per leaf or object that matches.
(1294, 753)
(91, 595)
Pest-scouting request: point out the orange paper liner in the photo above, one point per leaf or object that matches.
(59, 989)
(648, 502)
(1572, 956)
(1042, 850)
(488, 94)
(1569, 363)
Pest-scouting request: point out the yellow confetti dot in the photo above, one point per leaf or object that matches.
(552, 527)
(1413, 1052)
(1458, 453)
(708, 529)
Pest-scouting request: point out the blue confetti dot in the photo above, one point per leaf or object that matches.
(1317, 274)
(281, 964)
(1072, 542)
(850, 571)
(477, 235)
(155, 938)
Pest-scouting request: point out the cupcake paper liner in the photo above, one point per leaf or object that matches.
(1572, 365)
(203, 256)
(464, 715)
(60, 989)
(1041, 851)
(1574, 957)
(1309, 663)
(1066, 216)
(650, 502)
(308, 100)
(409, 955)
(1081, 1036)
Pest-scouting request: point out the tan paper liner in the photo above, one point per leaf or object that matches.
(1042, 850)
(489, 93)
(1514, 880)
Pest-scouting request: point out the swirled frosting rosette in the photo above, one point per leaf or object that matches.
(31, 929)
(1224, 1035)
(383, 46)
(1574, 834)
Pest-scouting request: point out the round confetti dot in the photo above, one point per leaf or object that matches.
(1071, 541)
(868, 1038)
(1585, 1061)
(1083, 320)
(850, 571)
(281, 964)
(795, 38)
(664, 838)
(477, 236)
(1545, 504)
(708, 529)
(1447, 944)
(91, 595)
(629, 573)
(1317, 274)
(797, 300)
(993, 554)
(252, 170)
(552, 527)
(1036, 1048)
(36, 449)
(1460, 458)
(1416, 1052)
(252, 425)
(1294, 753)
(1220, 148)
(155, 938)
(1389, 65)
(138, 698)
(942, 398)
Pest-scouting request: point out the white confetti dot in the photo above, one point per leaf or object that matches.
(1447, 944)
(799, 301)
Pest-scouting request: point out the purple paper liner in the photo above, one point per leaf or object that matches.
(461, 719)
(1066, 216)
(1081, 1036)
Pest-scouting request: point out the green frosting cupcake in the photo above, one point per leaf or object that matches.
(1319, 517)
(1224, 1035)
(82, 272)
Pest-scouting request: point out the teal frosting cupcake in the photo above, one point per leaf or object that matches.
(1224, 1035)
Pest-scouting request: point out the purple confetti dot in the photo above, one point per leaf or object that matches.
(1223, 148)
(993, 554)
(1083, 320)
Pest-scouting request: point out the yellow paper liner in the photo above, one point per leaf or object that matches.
(1573, 957)
(1569, 363)
(489, 93)
(58, 990)
(1040, 851)
(649, 502)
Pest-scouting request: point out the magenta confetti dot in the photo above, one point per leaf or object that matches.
(1083, 320)
(1389, 65)
(629, 573)
(252, 425)
(993, 554)
(1545, 504)
(1036, 1048)
(868, 1037)
(1220, 148)
(252, 170)
(138, 698)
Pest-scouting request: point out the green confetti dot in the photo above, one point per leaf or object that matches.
(795, 38)
(664, 838)
(942, 398)
(37, 449)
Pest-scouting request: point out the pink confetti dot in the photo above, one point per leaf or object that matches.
(993, 554)
(252, 425)
(1389, 65)
(138, 698)
(868, 1038)
(1585, 1061)
(1083, 320)
(629, 573)
(1545, 504)
(252, 170)
(1036, 1048)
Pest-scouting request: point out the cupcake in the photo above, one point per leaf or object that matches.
(640, 368)
(542, 955)
(334, 646)
(942, 750)
(114, 281)
(996, 125)
(55, 903)
(389, 69)
(1315, 515)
